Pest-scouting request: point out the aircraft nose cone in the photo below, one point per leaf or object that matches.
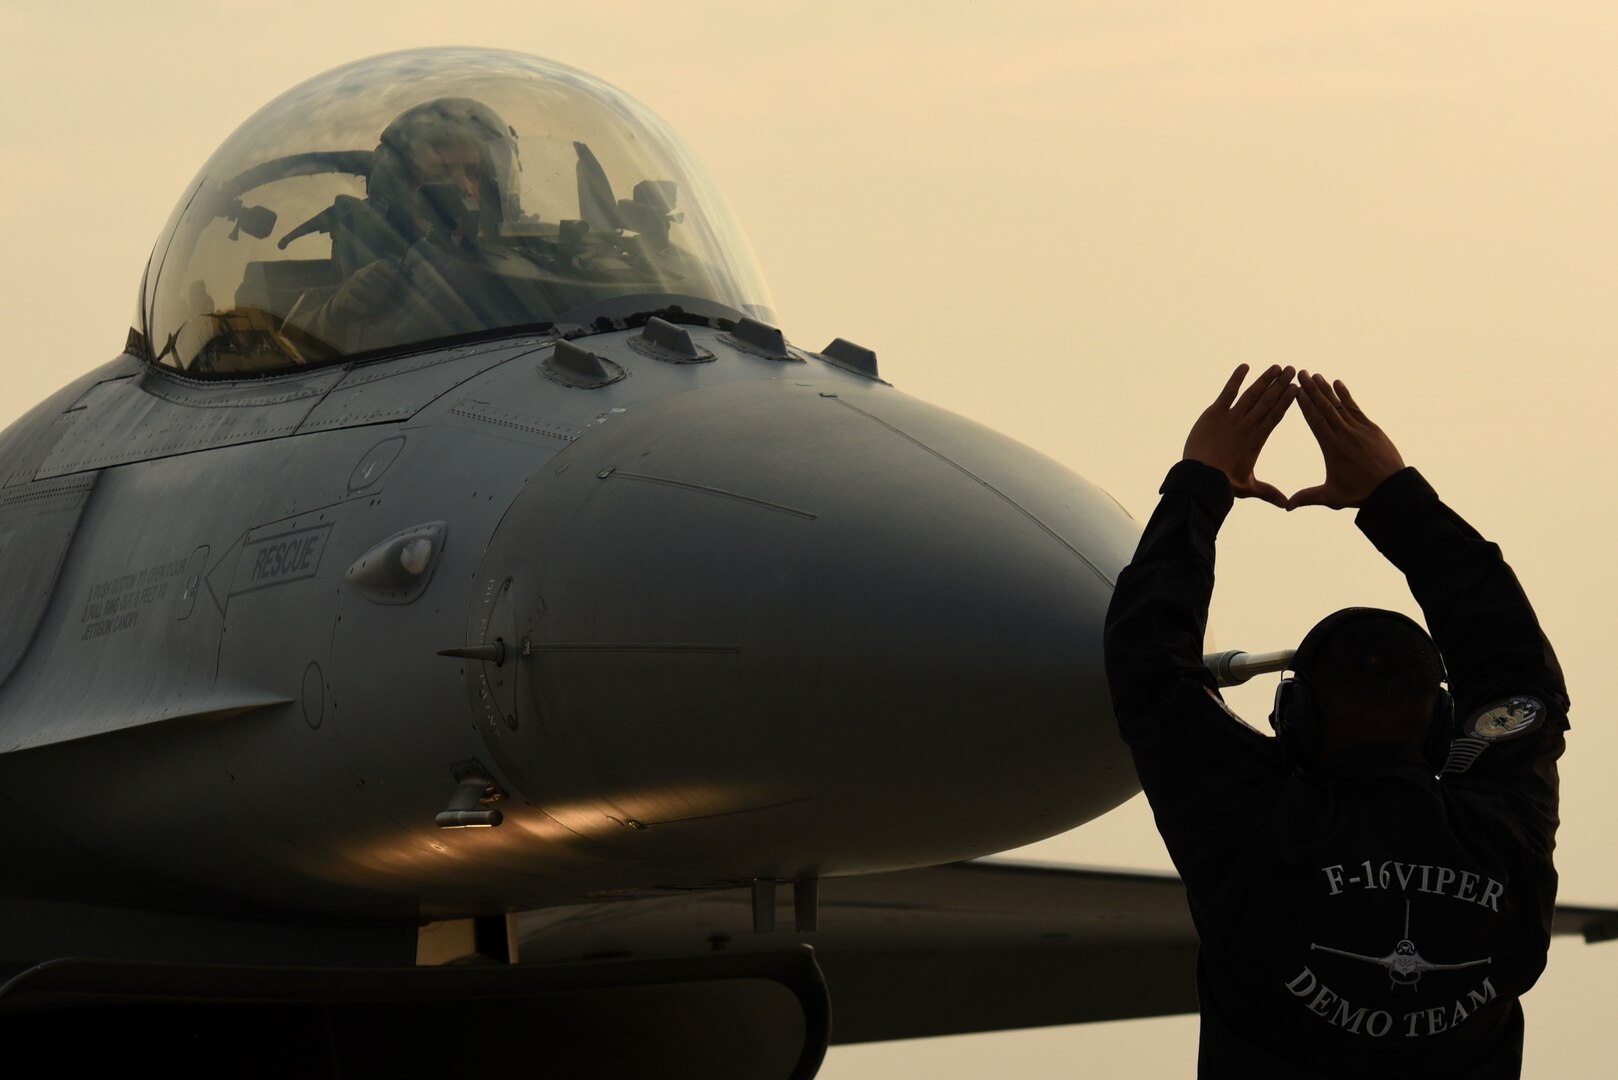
(850, 630)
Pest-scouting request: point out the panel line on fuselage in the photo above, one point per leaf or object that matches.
(704, 489)
(964, 471)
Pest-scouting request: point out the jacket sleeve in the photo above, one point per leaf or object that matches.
(1500, 664)
(1203, 770)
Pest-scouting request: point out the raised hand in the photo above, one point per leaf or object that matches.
(1358, 454)
(1230, 433)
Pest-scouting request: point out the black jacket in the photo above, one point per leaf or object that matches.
(1362, 918)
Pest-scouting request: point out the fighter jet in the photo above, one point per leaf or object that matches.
(459, 614)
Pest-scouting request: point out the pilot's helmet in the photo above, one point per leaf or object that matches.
(447, 141)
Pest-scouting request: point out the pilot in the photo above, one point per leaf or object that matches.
(405, 255)
(1373, 888)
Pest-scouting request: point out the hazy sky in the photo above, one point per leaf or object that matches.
(1068, 222)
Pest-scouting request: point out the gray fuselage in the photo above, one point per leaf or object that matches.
(760, 616)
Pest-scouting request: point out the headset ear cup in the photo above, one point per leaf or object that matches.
(1278, 709)
(1443, 730)
(1292, 718)
(1303, 725)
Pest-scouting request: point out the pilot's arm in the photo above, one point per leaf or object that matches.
(361, 313)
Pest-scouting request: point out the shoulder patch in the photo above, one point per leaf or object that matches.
(1506, 719)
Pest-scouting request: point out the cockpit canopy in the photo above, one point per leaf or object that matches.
(431, 195)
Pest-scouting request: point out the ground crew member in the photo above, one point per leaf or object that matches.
(1373, 888)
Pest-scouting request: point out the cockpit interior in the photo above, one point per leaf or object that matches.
(426, 197)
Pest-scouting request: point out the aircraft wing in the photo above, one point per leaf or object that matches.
(985, 945)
